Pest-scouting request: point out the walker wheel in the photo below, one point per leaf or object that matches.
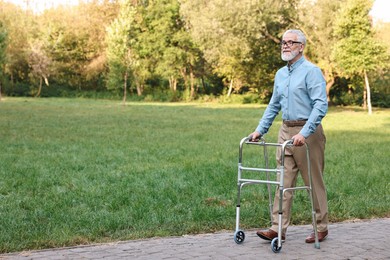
(274, 245)
(239, 236)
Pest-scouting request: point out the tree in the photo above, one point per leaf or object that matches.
(16, 68)
(357, 51)
(143, 45)
(40, 64)
(94, 16)
(65, 45)
(214, 26)
(3, 47)
(381, 83)
(317, 21)
(74, 39)
(239, 38)
(120, 56)
(171, 45)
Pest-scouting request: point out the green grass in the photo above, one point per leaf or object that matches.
(76, 171)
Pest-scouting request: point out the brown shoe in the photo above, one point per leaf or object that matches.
(269, 235)
(321, 236)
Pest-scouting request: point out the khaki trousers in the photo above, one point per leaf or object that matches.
(295, 160)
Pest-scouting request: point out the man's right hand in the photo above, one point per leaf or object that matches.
(255, 136)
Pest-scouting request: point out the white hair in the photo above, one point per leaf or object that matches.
(299, 33)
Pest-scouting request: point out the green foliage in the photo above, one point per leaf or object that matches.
(78, 171)
(119, 53)
(357, 50)
(380, 100)
(239, 38)
(167, 46)
(316, 19)
(18, 32)
(3, 46)
(66, 48)
(177, 55)
(19, 89)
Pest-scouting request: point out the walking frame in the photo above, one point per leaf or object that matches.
(276, 244)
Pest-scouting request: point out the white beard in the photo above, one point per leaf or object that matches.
(289, 56)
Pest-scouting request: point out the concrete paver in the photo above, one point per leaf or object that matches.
(357, 240)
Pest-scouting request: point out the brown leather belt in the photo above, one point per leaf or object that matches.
(292, 123)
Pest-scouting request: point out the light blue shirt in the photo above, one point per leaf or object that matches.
(300, 92)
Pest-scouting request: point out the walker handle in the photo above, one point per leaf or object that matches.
(289, 142)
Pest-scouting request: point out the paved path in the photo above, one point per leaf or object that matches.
(367, 239)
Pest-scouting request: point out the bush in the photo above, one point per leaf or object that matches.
(248, 98)
(159, 95)
(345, 99)
(380, 100)
(19, 89)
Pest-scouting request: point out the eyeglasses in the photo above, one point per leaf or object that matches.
(288, 43)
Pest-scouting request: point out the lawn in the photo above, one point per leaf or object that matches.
(76, 171)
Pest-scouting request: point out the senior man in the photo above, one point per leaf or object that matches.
(299, 93)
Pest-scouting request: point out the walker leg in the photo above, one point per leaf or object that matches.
(313, 212)
(270, 205)
(280, 230)
(314, 219)
(239, 235)
(281, 195)
(238, 207)
(276, 248)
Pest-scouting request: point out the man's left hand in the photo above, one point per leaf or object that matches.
(299, 140)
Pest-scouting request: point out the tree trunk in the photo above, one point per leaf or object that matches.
(172, 83)
(184, 75)
(140, 88)
(40, 87)
(203, 84)
(364, 97)
(125, 89)
(329, 84)
(368, 92)
(0, 91)
(192, 83)
(46, 80)
(230, 88)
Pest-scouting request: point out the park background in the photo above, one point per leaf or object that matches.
(88, 154)
(226, 51)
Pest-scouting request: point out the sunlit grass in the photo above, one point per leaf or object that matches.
(79, 171)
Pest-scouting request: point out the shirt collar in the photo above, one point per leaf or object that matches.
(295, 64)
